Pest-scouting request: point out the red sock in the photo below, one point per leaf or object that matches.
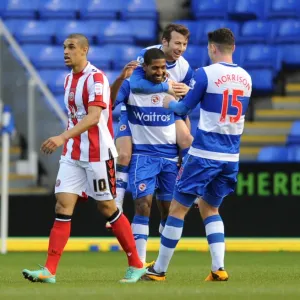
(122, 230)
(59, 236)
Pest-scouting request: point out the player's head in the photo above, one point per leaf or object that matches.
(76, 47)
(175, 38)
(221, 44)
(155, 65)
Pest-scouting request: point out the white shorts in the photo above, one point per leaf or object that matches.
(94, 179)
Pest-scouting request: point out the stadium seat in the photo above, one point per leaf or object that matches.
(197, 56)
(195, 29)
(124, 54)
(262, 81)
(291, 56)
(238, 55)
(283, 9)
(257, 32)
(294, 134)
(273, 154)
(209, 9)
(215, 24)
(112, 75)
(149, 33)
(61, 101)
(45, 56)
(64, 28)
(18, 9)
(101, 9)
(139, 9)
(262, 56)
(115, 32)
(54, 79)
(58, 9)
(100, 57)
(31, 31)
(246, 9)
(288, 31)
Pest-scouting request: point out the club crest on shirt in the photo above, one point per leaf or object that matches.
(71, 97)
(155, 99)
(123, 127)
(142, 187)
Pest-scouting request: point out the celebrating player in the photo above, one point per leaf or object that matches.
(153, 165)
(211, 166)
(174, 42)
(87, 164)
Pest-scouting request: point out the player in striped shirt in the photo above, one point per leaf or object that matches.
(87, 164)
(211, 166)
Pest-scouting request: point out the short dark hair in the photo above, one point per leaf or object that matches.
(82, 39)
(153, 53)
(224, 39)
(175, 27)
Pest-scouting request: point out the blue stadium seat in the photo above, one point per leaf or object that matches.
(31, 31)
(291, 56)
(148, 34)
(247, 9)
(115, 32)
(288, 31)
(64, 28)
(100, 57)
(273, 154)
(238, 55)
(283, 9)
(262, 80)
(257, 32)
(61, 101)
(101, 9)
(195, 29)
(45, 56)
(139, 9)
(54, 79)
(112, 75)
(216, 24)
(197, 56)
(294, 134)
(279, 154)
(18, 9)
(262, 56)
(124, 54)
(58, 9)
(209, 8)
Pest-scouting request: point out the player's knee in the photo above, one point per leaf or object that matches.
(124, 158)
(63, 208)
(143, 208)
(206, 210)
(185, 141)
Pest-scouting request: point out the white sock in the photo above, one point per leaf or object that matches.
(122, 182)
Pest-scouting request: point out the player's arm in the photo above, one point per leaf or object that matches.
(118, 83)
(194, 96)
(123, 93)
(95, 105)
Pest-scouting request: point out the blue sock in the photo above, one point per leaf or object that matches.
(214, 229)
(169, 239)
(122, 181)
(140, 230)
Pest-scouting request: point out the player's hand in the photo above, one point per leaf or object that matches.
(128, 70)
(51, 144)
(180, 88)
(167, 99)
(170, 90)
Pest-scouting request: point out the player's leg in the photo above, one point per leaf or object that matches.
(70, 183)
(124, 148)
(174, 225)
(213, 195)
(102, 187)
(143, 172)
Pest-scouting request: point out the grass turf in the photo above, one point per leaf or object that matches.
(92, 276)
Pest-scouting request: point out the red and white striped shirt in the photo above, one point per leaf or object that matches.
(89, 88)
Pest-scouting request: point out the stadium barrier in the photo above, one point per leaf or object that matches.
(262, 215)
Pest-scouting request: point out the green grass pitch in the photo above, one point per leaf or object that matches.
(93, 275)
